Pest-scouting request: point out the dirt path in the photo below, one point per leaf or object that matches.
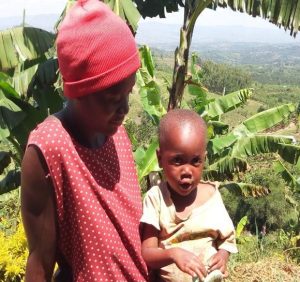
(267, 270)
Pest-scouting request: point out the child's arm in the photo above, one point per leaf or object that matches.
(219, 261)
(156, 257)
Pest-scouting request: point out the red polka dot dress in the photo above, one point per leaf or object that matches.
(98, 204)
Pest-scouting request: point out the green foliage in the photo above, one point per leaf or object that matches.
(272, 210)
(227, 153)
(27, 91)
(13, 255)
(223, 79)
(23, 44)
(272, 95)
(241, 225)
(140, 130)
(126, 10)
(149, 88)
(9, 212)
(155, 8)
(146, 160)
(217, 107)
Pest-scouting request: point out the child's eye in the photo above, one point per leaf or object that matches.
(196, 161)
(177, 160)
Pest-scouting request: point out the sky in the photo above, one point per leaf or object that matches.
(14, 8)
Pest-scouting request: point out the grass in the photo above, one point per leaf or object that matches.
(267, 262)
(271, 269)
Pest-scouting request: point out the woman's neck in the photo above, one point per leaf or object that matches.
(78, 129)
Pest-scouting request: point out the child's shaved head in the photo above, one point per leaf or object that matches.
(185, 120)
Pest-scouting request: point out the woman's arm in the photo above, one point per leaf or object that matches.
(39, 216)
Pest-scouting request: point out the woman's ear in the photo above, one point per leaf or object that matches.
(158, 154)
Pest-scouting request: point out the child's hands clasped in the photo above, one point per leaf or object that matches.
(219, 261)
(189, 263)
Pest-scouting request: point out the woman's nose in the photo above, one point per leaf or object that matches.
(124, 106)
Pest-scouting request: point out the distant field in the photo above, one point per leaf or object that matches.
(274, 84)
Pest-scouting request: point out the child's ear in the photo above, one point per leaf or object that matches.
(158, 154)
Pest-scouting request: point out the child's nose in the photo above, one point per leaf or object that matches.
(186, 171)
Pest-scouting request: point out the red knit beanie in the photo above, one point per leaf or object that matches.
(95, 49)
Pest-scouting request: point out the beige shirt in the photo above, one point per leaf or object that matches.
(207, 229)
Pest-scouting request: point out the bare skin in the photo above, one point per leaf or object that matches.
(182, 159)
(38, 212)
(37, 192)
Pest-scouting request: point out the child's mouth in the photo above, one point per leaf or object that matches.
(185, 184)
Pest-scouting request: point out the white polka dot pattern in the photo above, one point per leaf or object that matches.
(98, 204)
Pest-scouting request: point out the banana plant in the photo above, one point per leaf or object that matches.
(283, 13)
(227, 151)
(126, 9)
(241, 226)
(287, 176)
(28, 94)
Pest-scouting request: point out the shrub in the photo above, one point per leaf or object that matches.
(13, 255)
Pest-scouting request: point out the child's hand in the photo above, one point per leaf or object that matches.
(189, 263)
(219, 261)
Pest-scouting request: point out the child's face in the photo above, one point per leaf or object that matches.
(182, 158)
(105, 111)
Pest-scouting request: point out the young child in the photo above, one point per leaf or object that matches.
(186, 230)
(80, 197)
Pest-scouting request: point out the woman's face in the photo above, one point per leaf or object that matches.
(105, 111)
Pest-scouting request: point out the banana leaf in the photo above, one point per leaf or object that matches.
(10, 115)
(260, 144)
(146, 161)
(41, 75)
(4, 160)
(17, 117)
(69, 4)
(227, 103)
(151, 101)
(241, 225)
(219, 128)
(285, 13)
(147, 60)
(21, 44)
(246, 189)
(11, 181)
(149, 89)
(280, 169)
(265, 120)
(153, 8)
(257, 123)
(218, 145)
(125, 9)
(225, 168)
